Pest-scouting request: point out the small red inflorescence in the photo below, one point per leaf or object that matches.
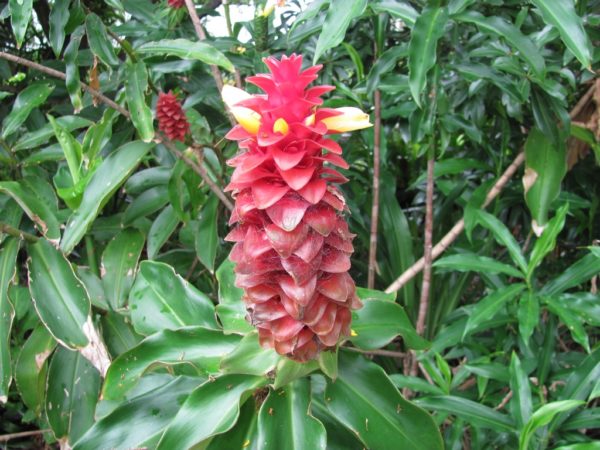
(171, 117)
(176, 4)
(292, 244)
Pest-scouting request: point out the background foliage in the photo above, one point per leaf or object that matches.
(119, 322)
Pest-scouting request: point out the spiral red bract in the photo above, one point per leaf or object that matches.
(171, 117)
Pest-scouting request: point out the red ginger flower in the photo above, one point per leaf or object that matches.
(176, 4)
(171, 117)
(292, 245)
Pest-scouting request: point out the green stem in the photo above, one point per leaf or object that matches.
(15, 232)
(91, 255)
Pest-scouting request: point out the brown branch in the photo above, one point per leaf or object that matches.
(8, 437)
(457, 229)
(375, 205)
(15, 232)
(167, 142)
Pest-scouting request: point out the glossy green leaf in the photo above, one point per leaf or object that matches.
(146, 204)
(503, 237)
(72, 69)
(289, 370)
(198, 347)
(397, 9)
(545, 167)
(584, 304)
(328, 362)
(28, 99)
(70, 146)
(506, 30)
(465, 262)
(186, 49)
(542, 417)
(547, 241)
(562, 15)
(528, 314)
(160, 299)
(105, 181)
(119, 265)
(520, 403)
(38, 137)
(422, 50)
(99, 41)
(222, 397)
(31, 367)
(415, 384)
(136, 84)
(244, 434)
(207, 238)
(20, 15)
(250, 358)
(487, 307)
(571, 320)
(59, 297)
(8, 263)
(59, 16)
(338, 18)
(139, 419)
(379, 416)
(285, 420)
(579, 272)
(378, 322)
(163, 226)
(231, 309)
(73, 387)
(468, 410)
(145, 179)
(118, 333)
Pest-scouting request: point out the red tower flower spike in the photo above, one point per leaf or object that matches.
(292, 244)
(171, 117)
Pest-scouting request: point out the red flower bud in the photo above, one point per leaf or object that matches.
(171, 117)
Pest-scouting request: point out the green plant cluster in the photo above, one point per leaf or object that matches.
(120, 325)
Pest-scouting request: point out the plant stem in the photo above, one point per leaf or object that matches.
(15, 232)
(8, 437)
(375, 205)
(91, 255)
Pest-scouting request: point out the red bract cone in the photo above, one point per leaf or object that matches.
(292, 245)
(171, 117)
(176, 4)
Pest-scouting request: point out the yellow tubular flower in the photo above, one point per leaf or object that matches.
(351, 119)
(248, 119)
(281, 126)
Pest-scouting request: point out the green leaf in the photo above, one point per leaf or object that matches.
(487, 307)
(285, 421)
(397, 9)
(561, 14)
(8, 270)
(465, 262)
(163, 226)
(582, 270)
(222, 397)
(571, 320)
(207, 238)
(422, 50)
(542, 417)
(136, 84)
(198, 347)
(41, 136)
(506, 30)
(72, 69)
(379, 416)
(415, 384)
(145, 204)
(99, 41)
(186, 49)
(59, 16)
(545, 167)
(28, 99)
(470, 411)
(520, 403)
(547, 241)
(118, 333)
(139, 419)
(160, 299)
(244, 434)
(328, 362)
(72, 393)
(378, 322)
(59, 297)
(119, 264)
(20, 15)
(106, 180)
(338, 18)
(288, 371)
(70, 146)
(503, 237)
(31, 367)
(249, 358)
(231, 309)
(528, 314)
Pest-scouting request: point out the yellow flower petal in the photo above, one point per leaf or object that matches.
(281, 126)
(248, 119)
(351, 119)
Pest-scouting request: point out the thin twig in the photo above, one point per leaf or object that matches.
(504, 401)
(375, 205)
(167, 142)
(583, 101)
(379, 352)
(15, 232)
(8, 437)
(457, 229)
